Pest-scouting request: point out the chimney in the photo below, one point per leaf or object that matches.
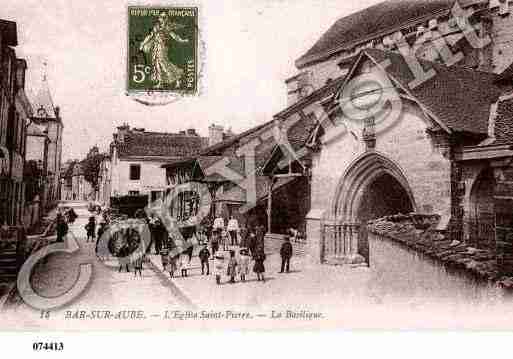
(57, 111)
(123, 131)
(191, 132)
(215, 134)
(21, 67)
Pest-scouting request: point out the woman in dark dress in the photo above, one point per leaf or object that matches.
(259, 258)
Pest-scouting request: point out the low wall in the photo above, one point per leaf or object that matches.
(402, 271)
(417, 234)
(274, 241)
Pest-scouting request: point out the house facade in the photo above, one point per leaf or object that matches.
(136, 157)
(15, 114)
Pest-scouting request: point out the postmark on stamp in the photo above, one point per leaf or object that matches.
(163, 50)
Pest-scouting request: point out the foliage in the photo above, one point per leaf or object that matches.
(68, 175)
(91, 166)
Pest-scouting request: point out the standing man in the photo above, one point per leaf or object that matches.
(218, 224)
(204, 254)
(62, 228)
(233, 228)
(286, 253)
(160, 235)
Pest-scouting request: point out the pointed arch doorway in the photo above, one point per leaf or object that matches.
(373, 186)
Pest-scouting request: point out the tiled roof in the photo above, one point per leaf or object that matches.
(507, 74)
(459, 97)
(43, 101)
(156, 144)
(377, 20)
(503, 131)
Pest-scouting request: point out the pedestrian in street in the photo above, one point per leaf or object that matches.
(259, 267)
(184, 264)
(286, 254)
(219, 267)
(138, 265)
(72, 215)
(204, 254)
(244, 264)
(260, 236)
(215, 243)
(160, 235)
(91, 229)
(252, 242)
(123, 253)
(218, 224)
(224, 239)
(62, 228)
(172, 264)
(231, 269)
(244, 237)
(190, 248)
(164, 259)
(233, 229)
(101, 230)
(151, 226)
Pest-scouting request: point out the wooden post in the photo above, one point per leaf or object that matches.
(212, 188)
(269, 203)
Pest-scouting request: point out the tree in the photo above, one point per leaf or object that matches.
(91, 166)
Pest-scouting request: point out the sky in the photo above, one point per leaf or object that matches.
(250, 49)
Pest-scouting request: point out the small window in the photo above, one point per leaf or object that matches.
(133, 193)
(135, 172)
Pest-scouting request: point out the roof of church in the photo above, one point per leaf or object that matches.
(454, 95)
(376, 20)
(42, 102)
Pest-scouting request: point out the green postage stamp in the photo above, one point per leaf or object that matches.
(163, 50)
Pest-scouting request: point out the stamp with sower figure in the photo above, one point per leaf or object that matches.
(163, 50)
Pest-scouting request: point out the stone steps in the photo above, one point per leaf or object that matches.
(273, 244)
(8, 266)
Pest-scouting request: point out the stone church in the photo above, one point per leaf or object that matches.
(403, 107)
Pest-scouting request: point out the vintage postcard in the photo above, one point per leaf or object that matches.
(347, 165)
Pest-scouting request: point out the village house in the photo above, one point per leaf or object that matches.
(15, 114)
(136, 157)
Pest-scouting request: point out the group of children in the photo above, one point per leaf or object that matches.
(171, 262)
(233, 267)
